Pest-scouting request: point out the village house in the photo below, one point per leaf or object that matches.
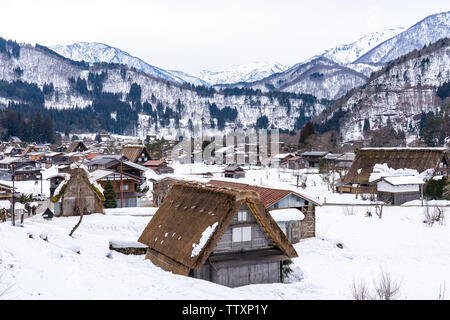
(434, 160)
(135, 153)
(281, 159)
(294, 163)
(79, 194)
(399, 189)
(24, 169)
(233, 171)
(277, 199)
(5, 192)
(123, 185)
(233, 242)
(55, 181)
(312, 158)
(159, 166)
(76, 146)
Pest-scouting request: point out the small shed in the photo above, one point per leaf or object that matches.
(400, 189)
(217, 234)
(234, 172)
(159, 166)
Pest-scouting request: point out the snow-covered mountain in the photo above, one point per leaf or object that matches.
(396, 95)
(348, 53)
(320, 77)
(242, 73)
(426, 31)
(92, 52)
(334, 72)
(158, 106)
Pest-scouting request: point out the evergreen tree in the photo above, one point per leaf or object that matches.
(110, 196)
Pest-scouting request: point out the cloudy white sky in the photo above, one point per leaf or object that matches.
(209, 34)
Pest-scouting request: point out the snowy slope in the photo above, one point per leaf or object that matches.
(98, 52)
(83, 267)
(348, 53)
(320, 77)
(427, 31)
(241, 73)
(398, 94)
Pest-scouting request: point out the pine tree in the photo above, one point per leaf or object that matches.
(110, 196)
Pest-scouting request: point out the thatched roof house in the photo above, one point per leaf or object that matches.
(420, 159)
(79, 194)
(76, 146)
(135, 153)
(208, 232)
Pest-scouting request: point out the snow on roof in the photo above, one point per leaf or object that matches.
(206, 234)
(315, 153)
(407, 148)
(98, 174)
(8, 160)
(383, 170)
(403, 180)
(281, 155)
(135, 165)
(290, 214)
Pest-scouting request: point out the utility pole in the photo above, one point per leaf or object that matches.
(12, 211)
(121, 185)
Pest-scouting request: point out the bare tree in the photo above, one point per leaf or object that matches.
(435, 215)
(379, 209)
(385, 287)
(360, 291)
(342, 174)
(326, 177)
(441, 295)
(349, 210)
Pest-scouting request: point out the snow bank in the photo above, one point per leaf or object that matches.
(131, 211)
(291, 214)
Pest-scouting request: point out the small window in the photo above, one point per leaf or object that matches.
(125, 187)
(242, 216)
(242, 234)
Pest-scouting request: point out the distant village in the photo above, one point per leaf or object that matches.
(235, 232)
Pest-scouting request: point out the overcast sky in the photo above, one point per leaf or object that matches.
(191, 35)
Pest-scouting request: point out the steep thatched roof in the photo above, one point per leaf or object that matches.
(74, 145)
(29, 148)
(419, 159)
(132, 152)
(188, 211)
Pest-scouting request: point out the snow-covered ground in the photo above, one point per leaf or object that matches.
(349, 247)
(415, 255)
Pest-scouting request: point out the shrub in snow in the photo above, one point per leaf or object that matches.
(384, 288)
(349, 211)
(432, 215)
(286, 268)
(360, 291)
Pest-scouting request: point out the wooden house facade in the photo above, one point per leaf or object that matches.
(233, 242)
